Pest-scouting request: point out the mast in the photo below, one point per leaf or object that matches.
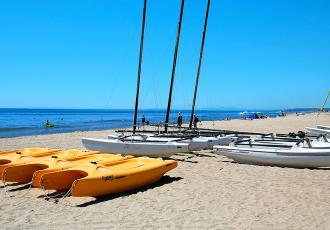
(324, 103)
(139, 68)
(199, 64)
(173, 67)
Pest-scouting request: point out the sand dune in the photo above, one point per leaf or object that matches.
(205, 191)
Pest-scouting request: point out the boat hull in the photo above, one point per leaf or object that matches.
(288, 159)
(18, 168)
(135, 148)
(323, 127)
(200, 143)
(98, 186)
(195, 144)
(103, 179)
(23, 156)
(318, 131)
(21, 173)
(107, 159)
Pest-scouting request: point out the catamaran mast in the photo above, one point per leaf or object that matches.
(199, 64)
(324, 103)
(139, 69)
(173, 68)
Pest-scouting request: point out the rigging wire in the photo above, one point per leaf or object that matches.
(122, 66)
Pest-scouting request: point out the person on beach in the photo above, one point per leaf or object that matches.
(196, 119)
(143, 120)
(281, 114)
(179, 120)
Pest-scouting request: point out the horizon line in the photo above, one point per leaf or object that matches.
(183, 109)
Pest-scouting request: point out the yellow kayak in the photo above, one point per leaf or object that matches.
(101, 179)
(48, 166)
(9, 151)
(21, 169)
(29, 153)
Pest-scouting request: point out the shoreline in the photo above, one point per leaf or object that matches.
(205, 124)
(289, 123)
(205, 191)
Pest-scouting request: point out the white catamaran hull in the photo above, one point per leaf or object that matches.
(287, 158)
(318, 131)
(151, 149)
(323, 127)
(199, 143)
(195, 144)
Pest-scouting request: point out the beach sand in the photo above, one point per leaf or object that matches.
(204, 191)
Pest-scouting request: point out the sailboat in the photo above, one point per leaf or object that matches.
(198, 142)
(159, 145)
(277, 150)
(297, 157)
(132, 146)
(195, 142)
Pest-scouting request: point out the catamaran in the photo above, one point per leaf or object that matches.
(298, 155)
(195, 143)
(302, 154)
(159, 145)
(138, 148)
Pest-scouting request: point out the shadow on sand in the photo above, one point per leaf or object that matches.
(191, 155)
(23, 187)
(186, 160)
(203, 155)
(12, 184)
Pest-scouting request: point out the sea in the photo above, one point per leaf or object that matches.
(25, 122)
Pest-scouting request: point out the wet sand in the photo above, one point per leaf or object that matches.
(204, 191)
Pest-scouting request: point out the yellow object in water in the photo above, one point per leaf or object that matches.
(21, 169)
(12, 157)
(106, 178)
(53, 166)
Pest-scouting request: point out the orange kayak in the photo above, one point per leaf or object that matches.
(28, 153)
(21, 169)
(9, 151)
(101, 179)
(53, 166)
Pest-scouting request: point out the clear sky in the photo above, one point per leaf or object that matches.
(84, 54)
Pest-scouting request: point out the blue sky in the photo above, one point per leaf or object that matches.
(84, 54)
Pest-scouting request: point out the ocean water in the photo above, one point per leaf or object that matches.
(22, 122)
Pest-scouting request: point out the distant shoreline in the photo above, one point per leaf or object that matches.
(30, 122)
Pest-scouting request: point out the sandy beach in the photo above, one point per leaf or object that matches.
(205, 191)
